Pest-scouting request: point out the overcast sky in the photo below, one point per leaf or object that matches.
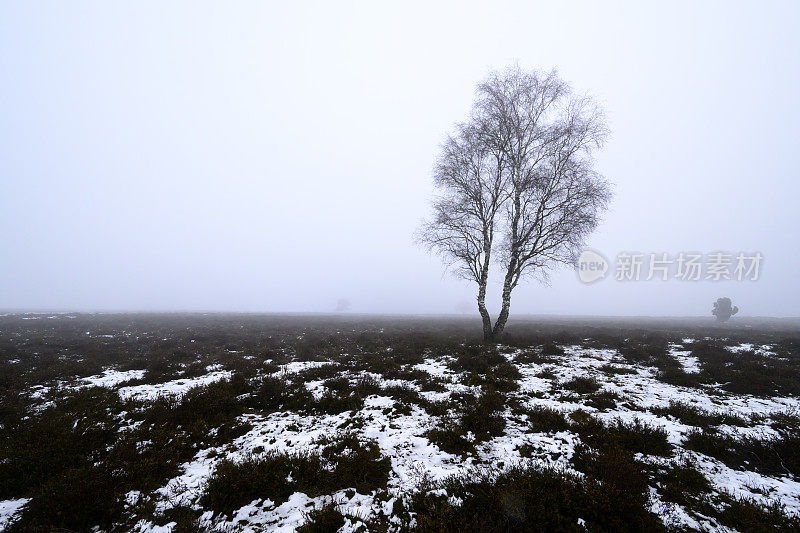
(277, 156)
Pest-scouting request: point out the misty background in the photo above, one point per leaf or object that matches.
(277, 157)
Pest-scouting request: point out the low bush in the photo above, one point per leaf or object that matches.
(582, 384)
(270, 393)
(430, 383)
(546, 373)
(613, 370)
(402, 393)
(343, 394)
(682, 483)
(183, 519)
(76, 499)
(747, 515)
(74, 433)
(786, 423)
(338, 384)
(552, 349)
(478, 359)
(693, 416)
(366, 386)
(326, 519)
(546, 419)
(526, 498)
(502, 377)
(485, 366)
(334, 403)
(235, 484)
(747, 371)
(679, 377)
(345, 462)
(358, 464)
(450, 439)
(616, 468)
(634, 437)
(603, 400)
(649, 353)
(773, 456)
(319, 373)
(483, 415)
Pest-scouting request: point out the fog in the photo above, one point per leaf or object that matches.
(277, 157)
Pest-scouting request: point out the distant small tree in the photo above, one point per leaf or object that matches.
(723, 310)
(463, 307)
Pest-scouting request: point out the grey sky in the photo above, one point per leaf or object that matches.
(277, 157)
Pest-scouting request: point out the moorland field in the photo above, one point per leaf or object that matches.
(244, 422)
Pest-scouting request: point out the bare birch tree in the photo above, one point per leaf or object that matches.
(519, 178)
(555, 196)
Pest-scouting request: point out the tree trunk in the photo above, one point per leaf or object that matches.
(484, 279)
(500, 324)
(488, 334)
(487, 320)
(508, 282)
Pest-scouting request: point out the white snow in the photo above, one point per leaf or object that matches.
(111, 377)
(175, 387)
(8, 509)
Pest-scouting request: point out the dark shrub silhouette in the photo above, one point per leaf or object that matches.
(723, 310)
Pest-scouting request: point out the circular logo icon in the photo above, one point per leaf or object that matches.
(591, 266)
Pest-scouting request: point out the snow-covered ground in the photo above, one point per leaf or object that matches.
(111, 377)
(175, 387)
(400, 436)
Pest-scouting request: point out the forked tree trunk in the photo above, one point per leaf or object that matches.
(500, 324)
(488, 334)
(484, 279)
(487, 320)
(508, 282)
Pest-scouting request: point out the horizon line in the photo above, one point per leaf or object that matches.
(57, 311)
